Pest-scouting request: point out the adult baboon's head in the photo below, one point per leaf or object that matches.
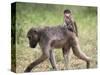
(33, 37)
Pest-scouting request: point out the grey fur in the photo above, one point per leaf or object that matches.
(55, 37)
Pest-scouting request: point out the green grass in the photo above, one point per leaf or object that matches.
(39, 15)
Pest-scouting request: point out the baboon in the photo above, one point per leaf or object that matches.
(55, 37)
(70, 22)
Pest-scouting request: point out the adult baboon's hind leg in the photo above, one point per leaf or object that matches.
(77, 51)
(66, 55)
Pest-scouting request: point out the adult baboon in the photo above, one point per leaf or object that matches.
(70, 22)
(54, 37)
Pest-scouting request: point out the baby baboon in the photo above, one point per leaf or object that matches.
(54, 37)
(69, 21)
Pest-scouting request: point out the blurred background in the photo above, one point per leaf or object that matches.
(40, 15)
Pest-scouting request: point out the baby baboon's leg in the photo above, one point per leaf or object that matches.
(35, 63)
(53, 60)
(66, 55)
(77, 51)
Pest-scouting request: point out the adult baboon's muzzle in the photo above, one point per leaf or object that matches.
(33, 45)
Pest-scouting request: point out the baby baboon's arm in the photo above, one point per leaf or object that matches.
(76, 30)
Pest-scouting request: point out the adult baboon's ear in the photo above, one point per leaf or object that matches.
(35, 33)
(35, 30)
(32, 31)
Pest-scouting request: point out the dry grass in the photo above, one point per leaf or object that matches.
(27, 55)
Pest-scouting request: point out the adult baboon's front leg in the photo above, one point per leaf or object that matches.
(77, 51)
(53, 60)
(47, 50)
(66, 55)
(35, 63)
